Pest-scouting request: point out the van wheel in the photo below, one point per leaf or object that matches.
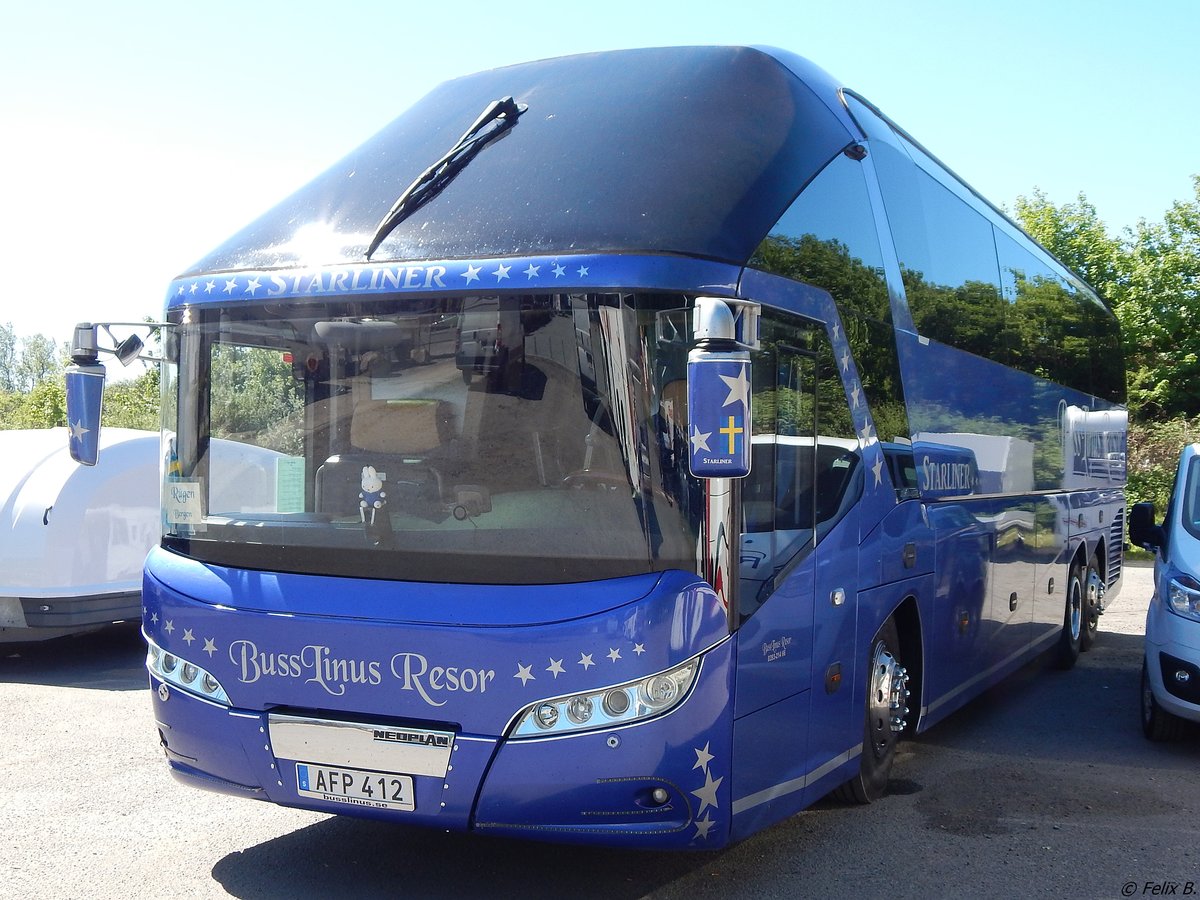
(887, 707)
(1067, 650)
(1093, 590)
(1157, 723)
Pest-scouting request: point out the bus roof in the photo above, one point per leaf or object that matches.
(691, 150)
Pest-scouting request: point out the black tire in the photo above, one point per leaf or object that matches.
(1157, 723)
(887, 693)
(1092, 590)
(1066, 651)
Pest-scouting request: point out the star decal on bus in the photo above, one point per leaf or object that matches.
(556, 667)
(700, 439)
(210, 647)
(188, 637)
(739, 388)
(525, 674)
(706, 793)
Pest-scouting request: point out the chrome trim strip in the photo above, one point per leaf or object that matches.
(795, 784)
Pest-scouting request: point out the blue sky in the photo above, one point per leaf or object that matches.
(137, 136)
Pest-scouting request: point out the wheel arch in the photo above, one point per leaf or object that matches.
(907, 616)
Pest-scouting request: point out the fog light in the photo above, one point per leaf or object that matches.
(579, 709)
(1183, 676)
(546, 715)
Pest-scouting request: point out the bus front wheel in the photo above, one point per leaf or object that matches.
(887, 707)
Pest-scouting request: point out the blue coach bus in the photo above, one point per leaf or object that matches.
(641, 464)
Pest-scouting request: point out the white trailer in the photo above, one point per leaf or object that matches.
(73, 538)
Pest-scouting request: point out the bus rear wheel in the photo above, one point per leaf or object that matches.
(1066, 652)
(1093, 592)
(887, 709)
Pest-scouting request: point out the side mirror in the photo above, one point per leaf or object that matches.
(1143, 532)
(718, 387)
(85, 396)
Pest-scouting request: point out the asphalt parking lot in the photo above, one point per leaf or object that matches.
(1042, 787)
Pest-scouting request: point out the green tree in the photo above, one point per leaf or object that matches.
(134, 403)
(1160, 307)
(8, 358)
(39, 360)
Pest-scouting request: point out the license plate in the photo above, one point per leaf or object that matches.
(358, 787)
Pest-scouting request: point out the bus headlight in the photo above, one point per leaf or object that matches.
(607, 707)
(187, 676)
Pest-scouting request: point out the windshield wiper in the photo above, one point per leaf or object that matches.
(501, 115)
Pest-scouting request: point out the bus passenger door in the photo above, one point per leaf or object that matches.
(799, 551)
(775, 589)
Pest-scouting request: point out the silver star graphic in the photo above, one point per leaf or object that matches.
(525, 674)
(154, 618)
(179, 293)
(169, 628)
(866, 434)
(501, 272)
(854, 394)
(195, 287)
(559, 271)
(837, 332)
(532, 271)
(230, 285)
(210, 647)
(188, 636)
(583, 271)
(613, 653)
(555, 668)
(78, 431)
(739, 388)
(585, 660)
(707, 795)
(209, 287)
(703, 758)
(846, 361)
(472, 273)
(700, 440)
(703, 826)
(639, 649)
(251, 286)
(878, 470)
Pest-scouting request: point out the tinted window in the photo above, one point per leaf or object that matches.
(828, 238)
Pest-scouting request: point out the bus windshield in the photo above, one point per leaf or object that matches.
(484, 439)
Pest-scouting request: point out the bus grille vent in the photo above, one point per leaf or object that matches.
(1116, 546)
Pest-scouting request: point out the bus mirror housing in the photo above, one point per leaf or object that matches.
(85, 396)
(718, 387)
(85, 382)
